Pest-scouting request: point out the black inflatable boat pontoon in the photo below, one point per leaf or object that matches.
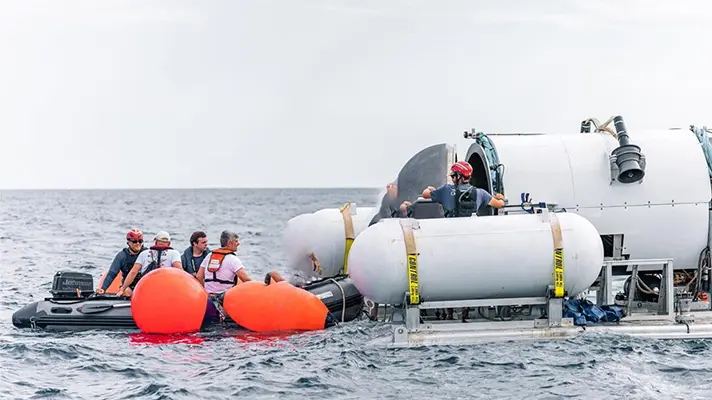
(340, 296)
(74, 305)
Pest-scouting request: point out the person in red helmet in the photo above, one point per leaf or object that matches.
(460, 199)
(124, 260)
(160, 255)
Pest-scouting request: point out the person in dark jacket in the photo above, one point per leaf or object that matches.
(125, 259)
(194, 255)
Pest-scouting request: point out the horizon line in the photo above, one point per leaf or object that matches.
(194, 188)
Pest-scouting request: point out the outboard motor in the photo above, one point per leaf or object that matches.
(629, 161)
(72, 285)
(66, 285)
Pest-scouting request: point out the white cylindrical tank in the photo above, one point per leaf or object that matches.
(663, 216)
(475, 258)
(323, 233)
(296, 242)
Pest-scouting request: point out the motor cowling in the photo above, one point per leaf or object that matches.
(69, 284)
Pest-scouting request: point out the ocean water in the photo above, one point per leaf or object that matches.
(45, 231)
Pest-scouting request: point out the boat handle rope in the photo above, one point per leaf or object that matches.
(343, 299)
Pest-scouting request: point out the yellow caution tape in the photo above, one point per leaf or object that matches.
(413, 289)
(559, 273)
(412, 258)
(558, 256)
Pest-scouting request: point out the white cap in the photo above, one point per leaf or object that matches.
(163, 236)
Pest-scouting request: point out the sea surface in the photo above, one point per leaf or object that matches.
(45, 231)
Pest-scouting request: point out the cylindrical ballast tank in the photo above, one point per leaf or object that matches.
(323, 233)
(475, 258)
(665, 215)
(295, 241)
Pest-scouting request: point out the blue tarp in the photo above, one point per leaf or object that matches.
(585, 312)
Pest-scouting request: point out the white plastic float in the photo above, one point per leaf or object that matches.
(324, 233)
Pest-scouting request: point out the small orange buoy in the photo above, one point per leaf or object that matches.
(168, 300)
(275, 307)
(115, 285)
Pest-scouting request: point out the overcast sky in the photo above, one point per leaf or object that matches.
(134, 94)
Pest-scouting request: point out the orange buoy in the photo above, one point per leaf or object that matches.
(168, 300)
(275, 307)
(115, 285)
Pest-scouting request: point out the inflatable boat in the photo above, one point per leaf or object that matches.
(75, 306)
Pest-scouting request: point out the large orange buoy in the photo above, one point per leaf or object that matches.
(275, 307)
(168, 300)
(115, 285)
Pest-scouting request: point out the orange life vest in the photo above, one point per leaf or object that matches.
(215, 262)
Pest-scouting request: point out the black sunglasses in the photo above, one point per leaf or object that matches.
(136, 241)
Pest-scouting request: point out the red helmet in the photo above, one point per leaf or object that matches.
(134, 234)
(462, 167)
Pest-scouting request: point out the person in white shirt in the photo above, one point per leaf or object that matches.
(220, 270)
(160, 255)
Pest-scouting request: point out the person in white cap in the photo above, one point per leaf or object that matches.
(160, 255)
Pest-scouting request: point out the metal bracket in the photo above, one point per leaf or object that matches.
(604, 294)
(684, 303)
(666, 295)
(555, 308)
(412, 330)
(614, 168)
(412, 318)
